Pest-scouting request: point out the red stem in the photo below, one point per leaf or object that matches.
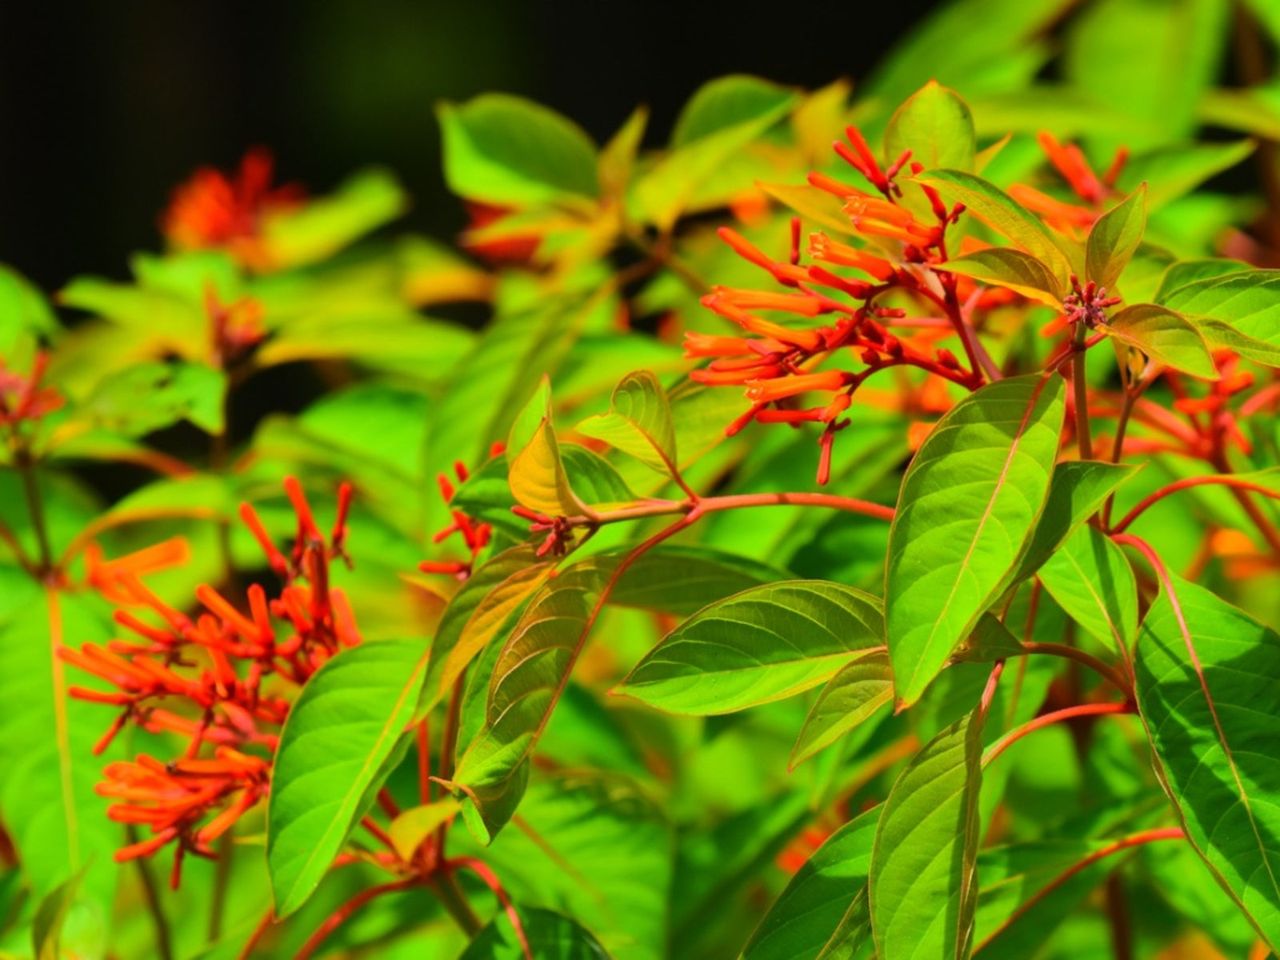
(1154, 498)
(344, 912)
(482, 870)
(258, 932)
(1082, 657)
(424, 762)
(1133, 840)
(659, 508)
(1048, 719)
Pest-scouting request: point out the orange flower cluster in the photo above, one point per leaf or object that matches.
(232, 675)
(778, 362)
(22, 398)
(1092, 189)
(215, 210)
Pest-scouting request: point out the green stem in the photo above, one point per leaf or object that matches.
(35, 507)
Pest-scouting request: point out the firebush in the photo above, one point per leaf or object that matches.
(821, 551)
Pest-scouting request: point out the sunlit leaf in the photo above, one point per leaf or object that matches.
(1114, 238)
(1164, 336)
(968, 503)
(850, 698)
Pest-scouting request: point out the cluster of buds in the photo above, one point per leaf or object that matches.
(558, 531)
(214, 210)
(1087, 304)
(778, 362)
(474, 534)
(234, 328)
(1093, 190)
(22, 398)
(221, 677)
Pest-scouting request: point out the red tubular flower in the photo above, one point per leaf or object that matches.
(211, 665)
(217, 210)
(776, 362)
(475, 535)
(22, 398)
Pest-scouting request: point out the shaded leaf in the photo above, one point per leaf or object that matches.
(1206, 672)
(810, 909)
(550, 936)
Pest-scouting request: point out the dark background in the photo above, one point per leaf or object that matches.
(104, 107)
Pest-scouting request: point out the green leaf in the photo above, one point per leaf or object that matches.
(1206, 675)
(51, 915)
(1159, 81)
(923, 887)
(969, 502)
(395, 339)
(527, 679)
(550, 936)
(50, 810)
(150, 396)
(681, 580)
(718, 124)
(1219, 334)
(1114, 238)
(936, 126)
(1078, 490)
(1003, 214)
(24, 315)
(411, 827)
(505, 149)
(618, 158)
(476, 613)
(1248, 302)
(1092, 581)
(819, 207)
(323, 226)
(810, 909)
(343, 727)
(850, 698)
(599, 848)
(1164, 336)
(1183, 272)
(1013, 269)
(538, 479)
(727, 102)
(760, 645)
(1172, 172)
(638, 422)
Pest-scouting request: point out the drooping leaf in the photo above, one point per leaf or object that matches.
(1165, 336)
(1114, 238)
(968, 503)
(537, 476)
(411, 827)
(343, 727)
(936, 126)
(810, 909)
(475, 614)
(1091, 579)
(1205, 674)
(923, 886)
(1018, 271)
(764, 644)
(504, 149)
(550, 936)
(849, 699)
(1002, 214)
(151, 396)
(638, 422)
